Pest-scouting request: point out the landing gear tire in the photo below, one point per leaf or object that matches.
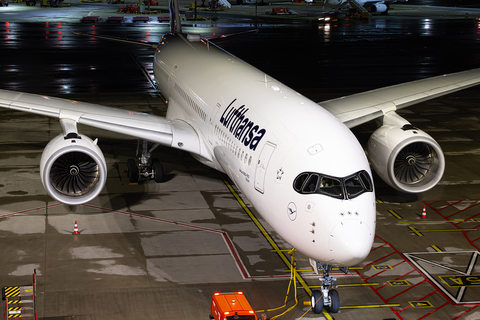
(132, 171)
(157, 168)
(334, 301)
(317, 301)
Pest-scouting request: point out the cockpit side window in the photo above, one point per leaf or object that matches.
(299, 182)
(353, 186)
(367, 182)
(311, 184)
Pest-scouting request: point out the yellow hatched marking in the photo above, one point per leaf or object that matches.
(414, 230)
(12, 291)
(396, 215)
(436, 248)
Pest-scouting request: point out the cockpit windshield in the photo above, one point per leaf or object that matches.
(339, 188)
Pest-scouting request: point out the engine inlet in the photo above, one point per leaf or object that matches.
(74, 174)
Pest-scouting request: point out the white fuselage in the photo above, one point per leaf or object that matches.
(344, 3)
(263, 135)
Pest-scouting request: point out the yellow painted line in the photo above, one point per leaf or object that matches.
(436, 248)
(286, 250)
(432, 221)
(396, 215)
(358, 284)
(351, 285)
(446, 230)
(379, 201)
(268, 237)
(333, 269)
(372, 306)
(412, 229)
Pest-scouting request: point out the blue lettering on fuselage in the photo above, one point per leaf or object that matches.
(242, 128)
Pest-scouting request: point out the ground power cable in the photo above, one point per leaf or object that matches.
(293, 267)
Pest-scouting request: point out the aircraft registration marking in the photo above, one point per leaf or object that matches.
(472, 280)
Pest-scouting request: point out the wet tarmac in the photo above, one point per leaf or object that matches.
(159, 251)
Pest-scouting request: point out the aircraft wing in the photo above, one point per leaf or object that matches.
(362, 107)
(140, 125)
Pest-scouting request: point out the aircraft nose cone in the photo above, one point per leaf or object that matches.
(350, 242)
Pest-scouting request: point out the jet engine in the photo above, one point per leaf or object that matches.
(378, 8)
(406, 158)
(73, 169)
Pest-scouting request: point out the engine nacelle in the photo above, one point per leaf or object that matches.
(378, 8)
(73, 170)
(406, 158)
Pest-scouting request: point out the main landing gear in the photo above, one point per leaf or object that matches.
(152, 170)
(327, 296)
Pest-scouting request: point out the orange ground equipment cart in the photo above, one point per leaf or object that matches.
(231, 306)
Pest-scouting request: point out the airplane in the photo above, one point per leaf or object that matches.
(297, 161)
(373, 6)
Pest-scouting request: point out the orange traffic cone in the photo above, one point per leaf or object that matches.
(424, 213)
(75, 229)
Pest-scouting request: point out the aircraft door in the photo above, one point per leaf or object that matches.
(213, 115)
(262, 165)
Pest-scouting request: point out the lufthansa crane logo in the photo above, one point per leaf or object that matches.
(292, 211)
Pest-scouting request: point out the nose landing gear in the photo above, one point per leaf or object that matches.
(327, 296)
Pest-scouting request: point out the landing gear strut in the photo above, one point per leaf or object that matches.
(152, 170)
(327, 296)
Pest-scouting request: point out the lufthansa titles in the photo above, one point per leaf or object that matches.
(242, 128)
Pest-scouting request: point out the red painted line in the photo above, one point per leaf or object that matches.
(231, 248)
(466, 220)
(381, 246)
(434, 310)
(409, 288)
(418, 271)
(401, 310)
(463, 210)
(465, 312)
(379, 259)
(450, 205)
(376, 274)
(156, 219)
(236, 257)
(406, 274)
(30, 210)
(428, 295)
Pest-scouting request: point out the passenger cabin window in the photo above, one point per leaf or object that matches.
(339, 188)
